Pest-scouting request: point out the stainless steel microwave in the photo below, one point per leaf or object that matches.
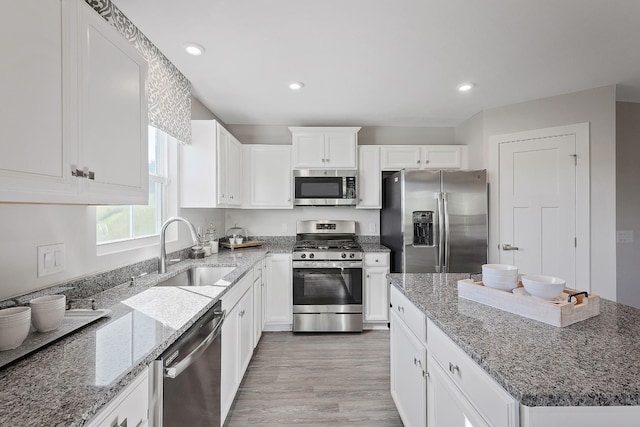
(325, 187)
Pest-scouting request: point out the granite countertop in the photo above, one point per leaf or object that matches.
(374, 247)
(67, 383)
(595, 362)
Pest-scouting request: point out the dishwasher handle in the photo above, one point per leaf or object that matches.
(178, 368)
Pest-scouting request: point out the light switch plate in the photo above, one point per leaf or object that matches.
(624, 236)
(51, 259)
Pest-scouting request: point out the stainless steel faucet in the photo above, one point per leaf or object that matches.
(162, 262)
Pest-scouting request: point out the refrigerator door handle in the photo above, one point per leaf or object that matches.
(445, 204)
(441, 233)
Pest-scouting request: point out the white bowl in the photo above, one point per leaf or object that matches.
(47, 312)
(503, 285)
(499, 270)
(15, 327)
(543, 287)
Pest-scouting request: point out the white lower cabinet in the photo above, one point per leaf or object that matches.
(376, 288)
(408, 374)
(279, 294)
(490, 400)
(258, 290)
(447, 405)
(237, 340)
(129, 408)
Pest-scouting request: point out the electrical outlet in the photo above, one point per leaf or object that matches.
(372, 227)
(51, 259)
(624, 236)
(283, 227)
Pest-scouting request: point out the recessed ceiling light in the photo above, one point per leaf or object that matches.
(296, 85)
(465, 87)
(194, 49)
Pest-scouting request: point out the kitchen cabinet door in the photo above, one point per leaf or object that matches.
(129, 407)
(232, 179)
(443, 156)
(324, 147)
(341, 149)
(376, 295)
(267, 177)
(447, 405)
(211, 167)
(397, 157)
(34, 151)
(369, 177)
(408, 374)
(257, 303)
(308, 150)
(76, 133)
(279, 294)
(113, 114)
(230, 364)
(245, 333)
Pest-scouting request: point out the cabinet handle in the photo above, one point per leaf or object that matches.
(367, 276)
(453, 368)
(426, 161)
(418, 161)
(377, 260)
(241, 313)
(323, 160)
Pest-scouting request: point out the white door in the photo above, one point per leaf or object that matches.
(538, 206)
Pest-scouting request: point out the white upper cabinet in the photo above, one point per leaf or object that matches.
(396, 157)
(76, 133)
(113, 114)
(324, 147)
(267, 177)
(369, 177)
(211, 167)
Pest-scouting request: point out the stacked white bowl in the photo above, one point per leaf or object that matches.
(14, 326)
(500, 276)
(47, 312)
(543, 287)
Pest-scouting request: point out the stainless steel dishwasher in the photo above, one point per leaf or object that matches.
(186, 377)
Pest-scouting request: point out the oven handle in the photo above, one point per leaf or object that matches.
(327, 264)
(178, 368)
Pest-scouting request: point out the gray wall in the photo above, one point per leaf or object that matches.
(596, 106)
(368, 135)
(628, 201)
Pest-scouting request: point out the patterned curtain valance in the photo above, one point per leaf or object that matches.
(169, 90)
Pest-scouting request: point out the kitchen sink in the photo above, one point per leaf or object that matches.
(198, 276)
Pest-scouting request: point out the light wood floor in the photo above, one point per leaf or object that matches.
(317, 380)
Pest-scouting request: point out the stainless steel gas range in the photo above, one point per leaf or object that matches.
(327, 277)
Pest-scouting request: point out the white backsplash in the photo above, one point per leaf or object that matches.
(282, 222)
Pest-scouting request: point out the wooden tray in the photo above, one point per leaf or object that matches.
(249, 244)
(553, 313)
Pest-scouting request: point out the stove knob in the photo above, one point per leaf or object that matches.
(312, 256)
(303, 256)
(343, 255)
(352, 255)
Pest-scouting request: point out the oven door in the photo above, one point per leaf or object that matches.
(334, 287)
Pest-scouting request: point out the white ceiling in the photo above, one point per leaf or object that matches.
(391, 62)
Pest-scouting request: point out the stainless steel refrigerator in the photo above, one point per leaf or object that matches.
(435, 221)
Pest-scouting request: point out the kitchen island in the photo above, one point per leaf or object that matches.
(589, 369)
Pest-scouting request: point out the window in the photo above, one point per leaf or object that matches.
(122, 223)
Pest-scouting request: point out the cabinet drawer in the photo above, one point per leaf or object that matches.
(233, 295)
(376, 259)
(409, 313)
(129, 407)
(489, 399)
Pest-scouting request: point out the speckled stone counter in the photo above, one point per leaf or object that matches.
(374, 247)
(68, 382)
(595, 362)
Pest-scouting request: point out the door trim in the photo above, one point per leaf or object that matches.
(580, 131)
